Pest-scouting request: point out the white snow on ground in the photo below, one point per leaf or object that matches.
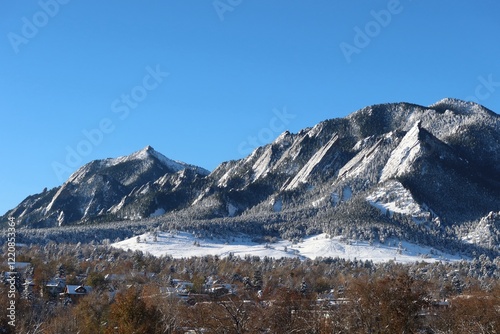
(277, 204)
(158, 212)
(182, 245)
(231, 209)
(346, 193)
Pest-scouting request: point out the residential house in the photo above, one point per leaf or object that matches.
(72, 293)
(54, 287)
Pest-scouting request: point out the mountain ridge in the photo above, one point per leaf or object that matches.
(444, 160)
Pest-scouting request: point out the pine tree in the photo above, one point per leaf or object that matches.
(257, 280)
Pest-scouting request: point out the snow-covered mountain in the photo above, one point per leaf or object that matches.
(389, 170)
(446, 159)
(119, 188)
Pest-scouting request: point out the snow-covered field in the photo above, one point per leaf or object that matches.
(184, 245)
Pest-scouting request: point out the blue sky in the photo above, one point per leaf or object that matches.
(206, 81)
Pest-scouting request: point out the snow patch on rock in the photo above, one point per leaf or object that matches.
(392, 197)
(402, 158)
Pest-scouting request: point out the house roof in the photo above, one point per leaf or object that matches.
(56, 282)
(78, 289)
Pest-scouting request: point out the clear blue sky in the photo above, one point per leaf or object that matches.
(232, 66)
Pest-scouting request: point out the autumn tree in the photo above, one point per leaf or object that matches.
(129, 314)
(474, 312)
(291, 311)
(91, 313)
(390, 304)
(62, 321)
(231, 314)
(97, 281)
(169, 308)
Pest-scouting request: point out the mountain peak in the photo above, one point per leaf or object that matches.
(148, 148)
(144, 153)
(459, 106)
(149, 152)
(452, 101)
(171, 164)
(103, 187)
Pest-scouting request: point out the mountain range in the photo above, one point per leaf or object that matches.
(419, 173)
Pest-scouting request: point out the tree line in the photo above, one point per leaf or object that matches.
(326, 295)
